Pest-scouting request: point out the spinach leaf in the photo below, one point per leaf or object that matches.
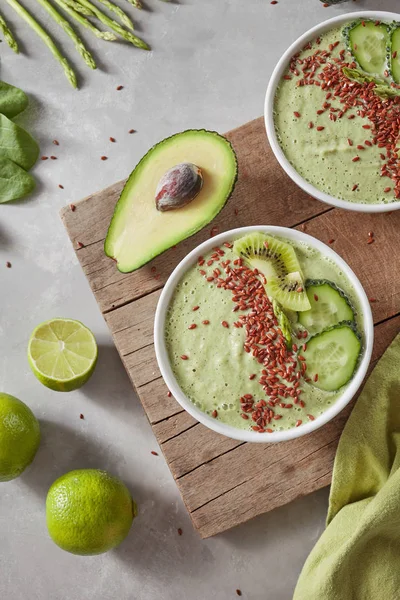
(14, 181)
(17, 145)
(12, 100)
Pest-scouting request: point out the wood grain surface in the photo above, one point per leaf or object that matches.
(224, 482)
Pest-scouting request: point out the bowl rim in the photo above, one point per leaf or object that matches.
(162, 354)
(269, 107)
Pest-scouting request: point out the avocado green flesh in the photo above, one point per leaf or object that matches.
(138, 231)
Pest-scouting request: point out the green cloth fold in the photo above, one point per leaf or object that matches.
(358, 555)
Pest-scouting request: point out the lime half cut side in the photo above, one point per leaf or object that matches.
(62, 354)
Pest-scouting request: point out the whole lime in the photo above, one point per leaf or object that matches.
(89, 511)
(19, 437)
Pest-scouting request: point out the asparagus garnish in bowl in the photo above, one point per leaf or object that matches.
(8, 35)
(127, 35)
(79, 45)
(68, 6)
(38, 29)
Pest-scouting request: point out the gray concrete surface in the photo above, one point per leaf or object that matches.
(209, 68)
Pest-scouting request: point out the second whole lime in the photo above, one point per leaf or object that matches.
(89, 511)
(19, 437)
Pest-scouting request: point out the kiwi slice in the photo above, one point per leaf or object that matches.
(278, 262)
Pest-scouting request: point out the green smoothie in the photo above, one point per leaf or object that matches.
(335, 153)
(206, 350)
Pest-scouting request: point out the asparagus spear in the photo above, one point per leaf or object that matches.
(103, 35)
(136, 3)
(79, 45)
(127, 35)
(46, 39)
(80, 9)
(125, 20)
(8, 36)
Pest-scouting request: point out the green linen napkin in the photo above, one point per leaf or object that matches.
(358, 555)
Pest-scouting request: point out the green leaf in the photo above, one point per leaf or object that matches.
(12, 100)
(17, 145)
(14, 182)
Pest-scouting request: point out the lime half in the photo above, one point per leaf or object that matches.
(62, 354)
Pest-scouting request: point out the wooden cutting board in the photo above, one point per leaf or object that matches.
(224, 482)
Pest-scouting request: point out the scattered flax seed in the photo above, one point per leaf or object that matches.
(355, 159)
(331, 241)
(154, 453)
(299, 289)
(119, 88)
(370, 241)
(274, 1)
(236, 211)
(320, 128)
(206, 322)
(372, 299)
(326, 5)
(360, 147)
(132, 131)
(252, 376)
(315, 297)
(297, 114)
(53, 157)
(298, 423)
(80, 245)
(192, 326)
(180, 531)
(349, 141)
(44, 158)
(72, 207)
(238, 592)
(113, 140)
(184, 357)
(8, 265)
(310, 125)
(169, 394)
(316, 377)
(355, 186)
(214, 414)
(214, 231)
(311, 417)
(370, 234)
(195, 307)
(394, 55)
(81, 416)
(387, 190)
(225, 324)
(104, 157)
(153, 269)
(56, 142)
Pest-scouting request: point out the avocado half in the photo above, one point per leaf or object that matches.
(138, 231)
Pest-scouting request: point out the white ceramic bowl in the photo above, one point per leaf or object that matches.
(162, 354)
(278, 72)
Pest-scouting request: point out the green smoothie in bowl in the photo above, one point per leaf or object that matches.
(336, 111)
(263, 333)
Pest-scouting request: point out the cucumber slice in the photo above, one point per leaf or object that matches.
(329, 306)
(368, 44)
(394, 54)
(332, 356)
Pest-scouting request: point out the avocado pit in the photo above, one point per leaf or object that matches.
(178, 186)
